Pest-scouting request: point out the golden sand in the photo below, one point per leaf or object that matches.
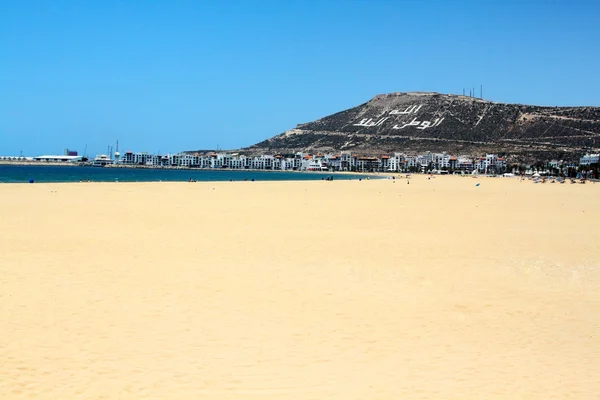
(437, 289)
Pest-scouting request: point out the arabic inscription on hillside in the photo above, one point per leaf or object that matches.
(409, 111)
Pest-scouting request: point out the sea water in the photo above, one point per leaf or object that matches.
(43, 173)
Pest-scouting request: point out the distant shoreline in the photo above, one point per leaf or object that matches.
(40, 163)
(119, 166)
(48, 173)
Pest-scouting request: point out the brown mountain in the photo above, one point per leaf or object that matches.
(417, 122)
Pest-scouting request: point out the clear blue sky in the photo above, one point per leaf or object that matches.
(182, 75)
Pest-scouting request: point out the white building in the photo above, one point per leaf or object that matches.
(555, 164)
(464, 164)
(491, 163)
(101, 160)
(426, 159)
(589, 159)
(412, 161)
(348, 161)
(58, 158)
(344, 161)
(397, 162)
(442, 161)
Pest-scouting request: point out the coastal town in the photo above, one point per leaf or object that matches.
(344, 161)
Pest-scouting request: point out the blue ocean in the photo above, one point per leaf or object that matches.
(42, 173)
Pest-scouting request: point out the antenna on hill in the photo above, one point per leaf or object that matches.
(481, 92)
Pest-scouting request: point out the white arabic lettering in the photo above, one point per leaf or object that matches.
(409, 110)
(368, 122)
(424, 125)
(414, 122)
(420, 124)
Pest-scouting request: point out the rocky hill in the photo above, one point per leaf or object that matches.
(417, 122)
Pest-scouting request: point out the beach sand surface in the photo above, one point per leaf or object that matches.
(379, 289)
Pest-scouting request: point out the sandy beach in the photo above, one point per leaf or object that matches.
(437, 289)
